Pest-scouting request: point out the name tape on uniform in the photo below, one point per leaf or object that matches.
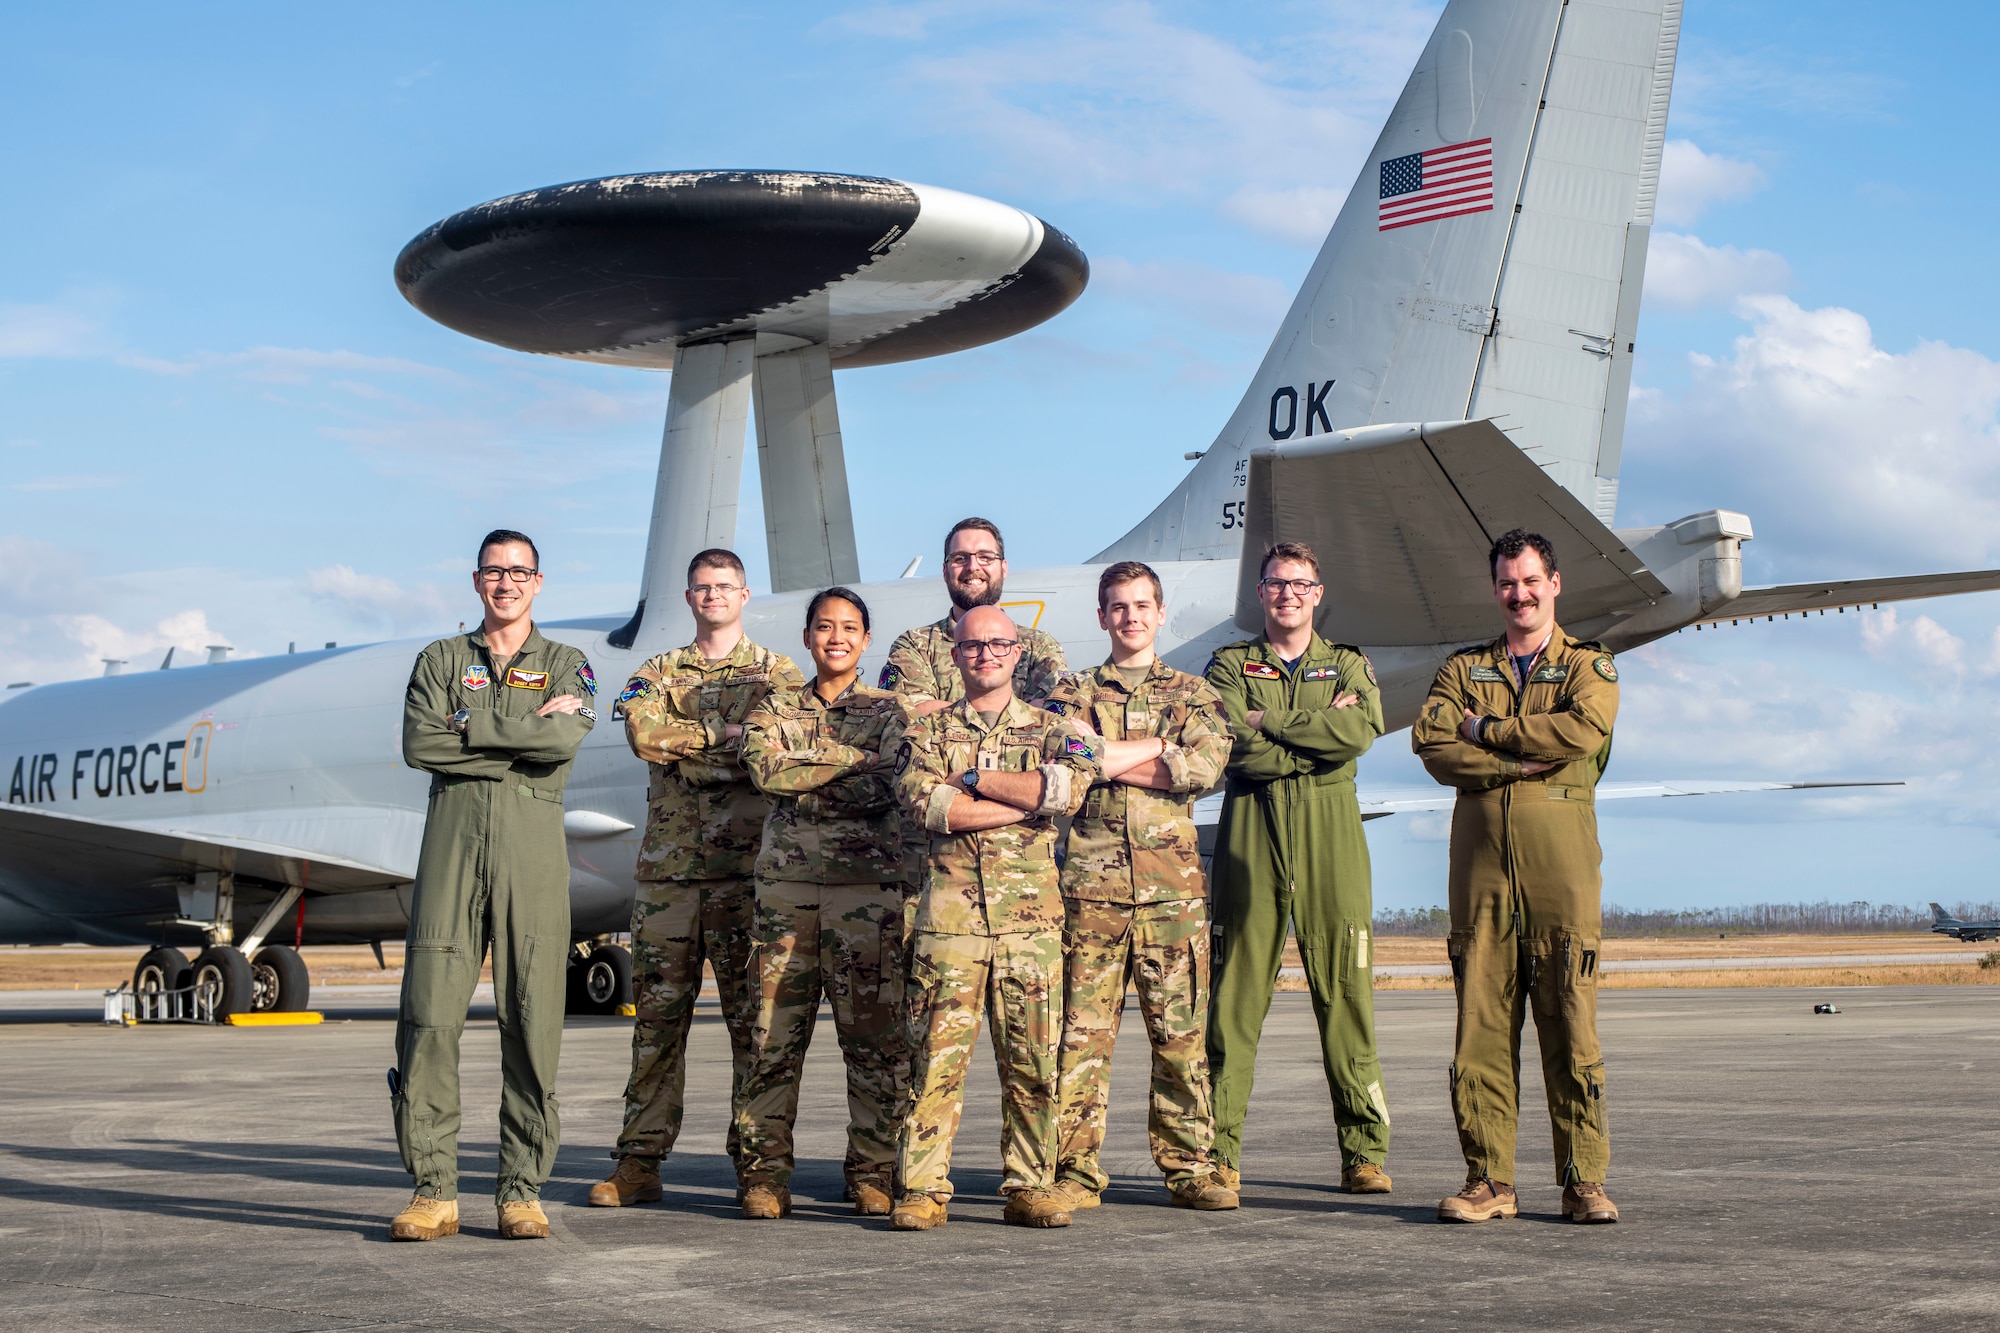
(527, 680)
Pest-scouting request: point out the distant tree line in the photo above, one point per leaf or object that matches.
(1757, 919)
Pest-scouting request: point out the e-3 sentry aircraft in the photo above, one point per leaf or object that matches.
(1455, 364)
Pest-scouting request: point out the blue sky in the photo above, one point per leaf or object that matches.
(219, 423)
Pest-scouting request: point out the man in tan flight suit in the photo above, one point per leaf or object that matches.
(684, 714)
(1522, 728)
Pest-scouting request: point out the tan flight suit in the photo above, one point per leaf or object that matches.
(1137, 909)
(1525, 892)
(704, 826)
(988, 938)
(830, 893)
(493, 872)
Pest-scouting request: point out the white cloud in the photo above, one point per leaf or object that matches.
(45, 330)
(1691, 181)
(187, 632)
(1303, 215)
(1685, 272)
(1849, 458)
(377, 601)
(1888, 637)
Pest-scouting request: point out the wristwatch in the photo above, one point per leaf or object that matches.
(459, 720)
(971, 782)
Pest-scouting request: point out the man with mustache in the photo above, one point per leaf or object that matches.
(921, 666)
(1521, 727)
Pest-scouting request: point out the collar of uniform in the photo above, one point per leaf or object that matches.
(853, 694)
(1107, 674)
(1496, 651)
(1317, 649)
(1015, 714)
(531, 645)
(745, 653)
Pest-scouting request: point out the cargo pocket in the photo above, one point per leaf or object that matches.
(1458, 945)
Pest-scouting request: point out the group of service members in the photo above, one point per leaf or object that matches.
(893, 850)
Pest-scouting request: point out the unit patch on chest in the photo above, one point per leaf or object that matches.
(1262, 671)
(1488, 673)
(1550, 671)
(475, 678)
(1322, 673)
(527, 680)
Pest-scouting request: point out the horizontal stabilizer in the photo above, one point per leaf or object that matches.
(1401, 518)
(43, 843)
(1853, 592)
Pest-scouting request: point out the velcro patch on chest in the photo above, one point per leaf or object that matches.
(1488, 673)
(527, 680)
(1322, 673)
(475, 678)
(1550, 671)
(1060, 707)
(1262, 671)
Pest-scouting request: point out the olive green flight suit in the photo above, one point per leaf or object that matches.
(696, 901)
(494, 871)
(1526, 885)
(1290, 846)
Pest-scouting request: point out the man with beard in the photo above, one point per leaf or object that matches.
(920, 665)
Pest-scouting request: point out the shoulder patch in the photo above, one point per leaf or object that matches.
(634, 688)
(891, 676)
(475, 678)
(589, 714)
(587, 678)
(1060, 707)
(527, 680)
(1078, 745)
(1606, 668)
(1368, 669)
(1484, 672)
(903, 758)
(1262, 671)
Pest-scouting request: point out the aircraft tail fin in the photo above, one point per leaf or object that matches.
(1944, 918)
(1487, 263)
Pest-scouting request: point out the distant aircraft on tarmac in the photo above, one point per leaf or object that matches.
(1455, 364)
(1972, 932)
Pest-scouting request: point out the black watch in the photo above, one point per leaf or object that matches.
(971, 782)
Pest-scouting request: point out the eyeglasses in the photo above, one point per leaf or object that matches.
(1299, 587)
(967, 559)
(494, 573)
(995, 648)
(719, 589)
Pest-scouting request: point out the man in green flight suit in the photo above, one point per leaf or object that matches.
(1290, 846)
(495, 716)
(684, 713)
(1521, 727)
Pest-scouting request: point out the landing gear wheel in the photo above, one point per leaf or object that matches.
(279, 982)
(225, 968)
(161, 969)
(602, 982)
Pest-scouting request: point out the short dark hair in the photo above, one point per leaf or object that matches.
(715, 557)
(836, 594)
(504, 536)
(1512, 544)
(977, 525)
(1298, 551)
(1128, 571)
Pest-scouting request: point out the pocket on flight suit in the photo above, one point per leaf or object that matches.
(439, 965)
(1458, 947)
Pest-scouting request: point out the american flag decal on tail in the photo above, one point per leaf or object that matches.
(1437, 183)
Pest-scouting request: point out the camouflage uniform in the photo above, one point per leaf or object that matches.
(830, 893)
(704, 824)
(1526, 881)
(1137, 907)
(493, 872)
(988, 934)
(921, 666)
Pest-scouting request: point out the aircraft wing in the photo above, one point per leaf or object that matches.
(1853, 592)
(1402, 518)
(65, 848)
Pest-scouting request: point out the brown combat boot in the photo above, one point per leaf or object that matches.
(523, 1219)
(1586, 1201)
(1228, 1177)
(766, 1201)
(633, 1180)
(1364, 1178)
(1035, 1208)
(919, 1212)
(1204, 1194)
(871, 1196)
(1075, 1195)
(425, 1218)
(1480, 1201)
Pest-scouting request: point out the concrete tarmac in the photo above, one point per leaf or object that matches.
(1777, 1169)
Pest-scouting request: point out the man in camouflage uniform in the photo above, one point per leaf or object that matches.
(1136, 901)
(987, 778)
(495, 717)
(1522, 728)
(830, 893)
(684, 714)
(1290, 847)
(921, 666)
